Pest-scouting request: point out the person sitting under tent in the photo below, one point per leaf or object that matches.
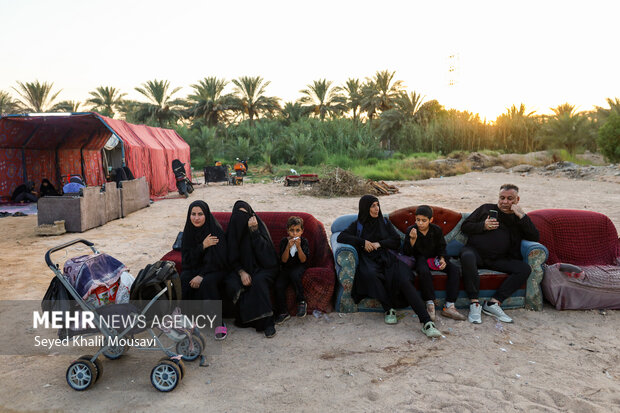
(47, 189)
(74, 185)
(24, 193)
(121, 174)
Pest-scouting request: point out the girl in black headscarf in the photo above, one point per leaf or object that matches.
(254, 263)
(380, 274)
(47, 189)
(203, 252)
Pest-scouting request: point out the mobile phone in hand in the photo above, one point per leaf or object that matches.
(493, 214)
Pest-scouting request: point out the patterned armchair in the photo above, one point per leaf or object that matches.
(346, 259)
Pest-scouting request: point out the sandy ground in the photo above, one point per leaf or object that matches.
(545, 362)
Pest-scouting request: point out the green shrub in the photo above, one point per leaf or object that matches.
(609, 138)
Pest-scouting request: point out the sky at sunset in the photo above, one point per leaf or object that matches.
(541, 53)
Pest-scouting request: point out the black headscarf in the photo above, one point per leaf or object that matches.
(193, 237)
(47, 189)
(374, 229)
(241, 252)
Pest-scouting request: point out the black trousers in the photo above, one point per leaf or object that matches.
(402, 284)
(426, 280)
(517, 270)
(209, 288)
(293, 276)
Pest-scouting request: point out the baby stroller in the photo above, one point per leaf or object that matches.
(83, 276)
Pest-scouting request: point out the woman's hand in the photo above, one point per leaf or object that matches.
(210, 241)
(196, 281)
(442, 263)
(371, 246)
(253, 223)
(246, 279)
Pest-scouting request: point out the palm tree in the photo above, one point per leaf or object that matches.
(428, 112)
(567, 128)
(67, 106)
(250, 99)
(517, 128)
(106, 100)
(321, 99)
(292, 112)
(208, 102)
(161, 108)
(380, 92)
(7, 104)
(353, 89)
(603, 113)
(405, 108)
(35, 96)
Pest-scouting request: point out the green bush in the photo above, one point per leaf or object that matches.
(609, 138)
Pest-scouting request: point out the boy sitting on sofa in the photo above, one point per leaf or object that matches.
(425, 242)
(294, 252)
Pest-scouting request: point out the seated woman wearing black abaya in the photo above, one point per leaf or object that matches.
(203, 252)
(47, 189)
(254, 262)
(380, 274)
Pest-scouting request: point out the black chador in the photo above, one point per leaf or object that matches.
(380, 274)
(210, 263)
(254, 253)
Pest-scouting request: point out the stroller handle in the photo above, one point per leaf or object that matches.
(48, 260)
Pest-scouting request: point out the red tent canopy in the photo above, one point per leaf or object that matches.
(33, 147)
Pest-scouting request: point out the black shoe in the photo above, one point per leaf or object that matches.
(282, 318)
(270, 331)
(302, 309)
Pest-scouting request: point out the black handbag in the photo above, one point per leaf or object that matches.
(178, 242)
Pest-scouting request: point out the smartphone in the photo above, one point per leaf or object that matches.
(493, 214)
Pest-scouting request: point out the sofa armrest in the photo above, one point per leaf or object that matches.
(338, 247)
(535, 254)
(346, 261)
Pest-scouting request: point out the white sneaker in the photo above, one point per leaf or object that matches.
(475, 313)
(496, 311)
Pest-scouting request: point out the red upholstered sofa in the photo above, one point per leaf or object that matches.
(586, 239)
(528, 296)
(320, 277)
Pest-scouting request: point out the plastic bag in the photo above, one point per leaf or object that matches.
(124, 288)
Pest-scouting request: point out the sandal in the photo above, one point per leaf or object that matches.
(221, 332)
(430, 330)
(390, 317)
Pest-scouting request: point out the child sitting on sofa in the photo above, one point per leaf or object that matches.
(294, 252)
(424, 241)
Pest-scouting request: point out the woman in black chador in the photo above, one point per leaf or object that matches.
(254, 263)
(47, 189)
(203, 250)
(380, 274)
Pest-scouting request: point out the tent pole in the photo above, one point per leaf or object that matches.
(58, 175)
(24, 172)
(82, 156)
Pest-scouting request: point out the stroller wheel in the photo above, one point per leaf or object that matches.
(179, 363)
(191, 354)
(165, 376)
(98, 366)
(81, 375)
